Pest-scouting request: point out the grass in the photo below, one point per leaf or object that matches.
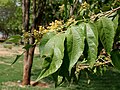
(109, 81)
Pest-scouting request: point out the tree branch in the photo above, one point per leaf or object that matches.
(84, 66)
(93, 17)
(73, 8)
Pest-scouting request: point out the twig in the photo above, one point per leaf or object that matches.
(84, 66)
(93, 17)
(73, 8)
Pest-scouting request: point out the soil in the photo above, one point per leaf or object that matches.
(11, 50)
(32, 83)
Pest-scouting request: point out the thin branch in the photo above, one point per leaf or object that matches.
(93, 17)
(84, 66)
(73, 8)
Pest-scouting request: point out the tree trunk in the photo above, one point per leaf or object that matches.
(27, 58)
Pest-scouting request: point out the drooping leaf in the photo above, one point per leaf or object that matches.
(55, 64)
(115, 56)
(54, 53)
(44, 40)
(92, 41)
(115, 21)
(75, 43)
(55, 41)
(17, 57)
(14, 39)
(27, 46)
(106, 33)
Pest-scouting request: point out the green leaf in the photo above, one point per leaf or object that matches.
(55, 41)
(64, 69)
(27, 46)
(115, 21)
(44, 40)
(17, 57)
(57, 79)
(75, 43)
(14, 39)
(92, 41)
(115, 56)
(54, 53)
(106, 33)
(55, 64)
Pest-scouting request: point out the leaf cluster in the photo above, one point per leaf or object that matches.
(80, 42)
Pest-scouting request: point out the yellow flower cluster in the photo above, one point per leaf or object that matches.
(36, 34)
(85, 5)
(70, 21)
(55, 25)
(26, 34)
(42, 30)
(61, 8)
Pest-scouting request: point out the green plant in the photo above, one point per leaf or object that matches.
(61, 52)
(78, 40)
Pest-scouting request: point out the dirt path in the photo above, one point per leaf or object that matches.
(11, 50)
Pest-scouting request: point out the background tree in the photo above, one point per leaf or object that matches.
(10, 17)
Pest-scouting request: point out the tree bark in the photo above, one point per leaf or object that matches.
(73, 8)
(41, 9)
(29, 54)
(27, 61)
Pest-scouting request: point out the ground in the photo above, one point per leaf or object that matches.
(11, 49)
(11, 76)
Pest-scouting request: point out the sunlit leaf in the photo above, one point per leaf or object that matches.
(56, 41)
(54, 53)
(55, 64)
(14, 39)
(115, 21)
(92, 41)
(106, 32)
(75, 43)
(44, 40)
